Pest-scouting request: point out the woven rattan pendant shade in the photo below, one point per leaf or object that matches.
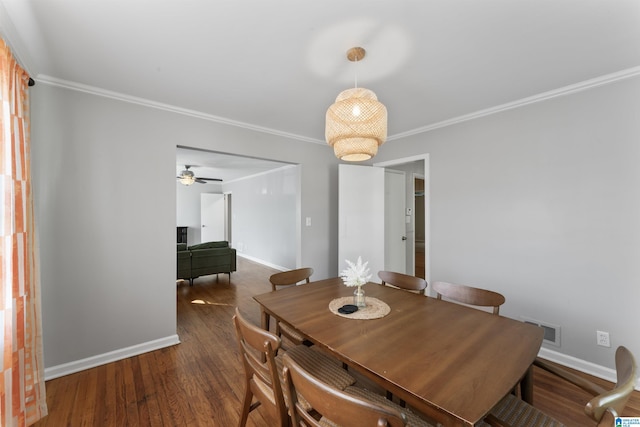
(356, 124)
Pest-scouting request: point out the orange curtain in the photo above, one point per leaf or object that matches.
(22, 391)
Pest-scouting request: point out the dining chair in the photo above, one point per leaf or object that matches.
(290, 278)
(403, 281)
(603, 408)
(263, 369)
(258, 349)
(469, 295)
(330, 406)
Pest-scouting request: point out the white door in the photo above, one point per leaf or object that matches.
(361, 216)
(395, 229)
(212, 214)
(371, 225)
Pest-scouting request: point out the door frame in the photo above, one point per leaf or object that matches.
(427, 199)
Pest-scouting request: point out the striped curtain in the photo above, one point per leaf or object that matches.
(22, 391)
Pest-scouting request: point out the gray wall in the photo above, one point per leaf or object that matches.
(105, 199)
(542, 204)
(105, 207)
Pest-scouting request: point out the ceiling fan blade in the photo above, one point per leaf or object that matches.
(211, 179)
(200, 181)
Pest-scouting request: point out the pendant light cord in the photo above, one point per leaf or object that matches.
(356, 72)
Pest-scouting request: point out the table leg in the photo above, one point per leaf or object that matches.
(265, 319)
(526, 386)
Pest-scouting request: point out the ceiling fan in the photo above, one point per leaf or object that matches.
(187, 177)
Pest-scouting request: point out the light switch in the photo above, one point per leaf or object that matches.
(308, 221)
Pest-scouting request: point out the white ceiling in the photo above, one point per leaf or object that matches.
(277, 65)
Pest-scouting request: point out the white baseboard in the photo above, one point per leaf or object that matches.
(263, 262)
(112, 356)
(581, 365)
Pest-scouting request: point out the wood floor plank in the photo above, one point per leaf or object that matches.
(199, 382)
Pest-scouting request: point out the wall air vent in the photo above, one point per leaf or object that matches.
(551, 332)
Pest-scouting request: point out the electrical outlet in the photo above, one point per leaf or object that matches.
(603, 339)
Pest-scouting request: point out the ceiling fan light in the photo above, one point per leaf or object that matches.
(187, 179)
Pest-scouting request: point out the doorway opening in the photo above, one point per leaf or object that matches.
(417, 168)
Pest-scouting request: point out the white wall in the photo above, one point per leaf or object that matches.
(265, 217)
(105, 200)
(542, 204)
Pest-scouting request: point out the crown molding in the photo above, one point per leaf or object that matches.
(255, 175)
(52, 81)
(566, 90)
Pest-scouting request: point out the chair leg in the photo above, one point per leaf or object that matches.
(246, 406)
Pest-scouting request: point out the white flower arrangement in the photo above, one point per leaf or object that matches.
(357, 274)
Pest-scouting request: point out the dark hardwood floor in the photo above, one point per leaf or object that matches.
(199, 382)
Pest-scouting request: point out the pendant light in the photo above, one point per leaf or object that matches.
(356, 124)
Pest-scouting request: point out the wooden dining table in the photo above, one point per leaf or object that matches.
(449, 361)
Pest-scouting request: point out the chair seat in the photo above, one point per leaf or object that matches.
(290, 333)
(517, 412)
(319, 365)
(412, 419)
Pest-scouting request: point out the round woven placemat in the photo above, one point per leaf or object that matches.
(375, 308)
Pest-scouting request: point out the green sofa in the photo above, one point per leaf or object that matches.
(204, 259)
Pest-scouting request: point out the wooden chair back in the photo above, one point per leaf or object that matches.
(613, 400)
(258, 349)
(291, 277)
(603, 408)
(403, 281)
(335, 406)
(469, 295)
